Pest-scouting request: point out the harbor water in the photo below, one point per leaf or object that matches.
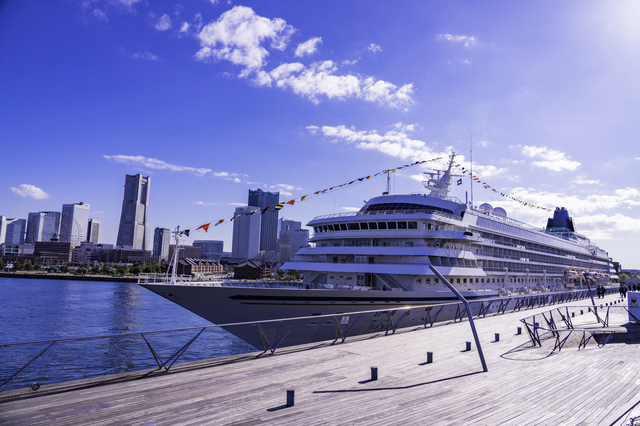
(45, 309)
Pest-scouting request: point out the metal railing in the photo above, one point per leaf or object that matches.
(32, 368)
(578, 325)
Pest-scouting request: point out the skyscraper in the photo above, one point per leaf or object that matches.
(291, 238)
(93, 231)
(15, 231)
(211, 249)
(43, 226)
(246, 234)
(268, 219)
(74, 223)
(161, 242)
(134, 233)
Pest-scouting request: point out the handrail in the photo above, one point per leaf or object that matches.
(86, 361)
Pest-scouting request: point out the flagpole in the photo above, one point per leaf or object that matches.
(471, 167)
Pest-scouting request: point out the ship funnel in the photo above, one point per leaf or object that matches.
(560, 220)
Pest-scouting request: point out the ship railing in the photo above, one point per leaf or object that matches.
(47, 366)
(577, 326)
(390, 212)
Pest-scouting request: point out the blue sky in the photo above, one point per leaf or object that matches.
(214, 98)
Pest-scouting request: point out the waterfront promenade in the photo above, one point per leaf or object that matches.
(332, 385)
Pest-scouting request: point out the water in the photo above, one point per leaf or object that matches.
(42, 309)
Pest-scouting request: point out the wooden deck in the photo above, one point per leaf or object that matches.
(523, 386)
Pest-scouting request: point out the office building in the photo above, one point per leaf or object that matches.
(93, 231)
(246, 234)
(12, 230)
(133, 232)
(268, 219)
(210, 249)
(291, 239)
(74, 223)
(161, 242)
(43, 226)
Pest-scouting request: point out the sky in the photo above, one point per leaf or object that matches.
(213, 98)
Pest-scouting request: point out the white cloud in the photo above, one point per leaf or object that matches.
(553, 160)
(100, 15)
(237, 37)
(319, 79)
(128, 3)
(395, 143)
(32, 191)
(184, 28)
(308, 47)
(164, 23)
(348, 62)
(582, 181)
(145, 55)
(373, 48)
(467, 41)
(202, 203)
(154, 163)
(240, 35)
(213, 2)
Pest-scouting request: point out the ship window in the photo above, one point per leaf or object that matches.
(419, 281)
(360, 259)
(493, 280)
(343, 226)
(457, 280)
(408, 244)
(477, 280)
(413, 225)
(363, 225)
(482, 280)
(402, 225)
(360, 279)
(382, 225)
(429, 226)
(386, 244)
(335, 259)
(424, 226)
(325, 228)
(435, 280)
(427, 280)
(373, 225)
(315, 229)
(334, 227)
(336, 244)
(353, 226)
(391, 225)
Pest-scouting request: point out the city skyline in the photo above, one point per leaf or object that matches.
(212, 99)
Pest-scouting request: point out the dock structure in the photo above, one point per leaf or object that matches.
(424, 376)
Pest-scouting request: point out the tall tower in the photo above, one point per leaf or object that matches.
(246, 234)
(93, 231)
(134, 233)
(268, 220)
(15, 231)
(161, 242)
(74, 223)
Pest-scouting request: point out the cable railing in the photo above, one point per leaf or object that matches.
(578, 326)
(33, 368)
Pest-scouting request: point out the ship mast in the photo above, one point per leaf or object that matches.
(471, 167)
(439, 184)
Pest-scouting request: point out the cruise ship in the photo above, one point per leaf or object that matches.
(380, 257)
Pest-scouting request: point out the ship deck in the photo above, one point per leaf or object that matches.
(523, 386)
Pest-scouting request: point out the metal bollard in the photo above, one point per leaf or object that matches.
(374, 373)
(468, 346)
(290, 397)
(429, 357)
(519, 330)
(497, 339)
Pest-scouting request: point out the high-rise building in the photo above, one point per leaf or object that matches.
(15, 231)
(74, 223)
(268, 219)
(3, 229)
(161, 242)
(43, 226)
(93, 231)
(134, 233)
(246, 234)
(291, 239)
(211, 249)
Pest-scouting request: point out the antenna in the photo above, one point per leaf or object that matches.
(386, 192)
